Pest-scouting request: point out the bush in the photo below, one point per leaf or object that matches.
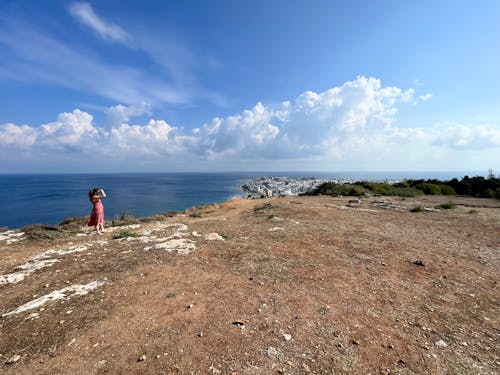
(126, 219)
(333, 189)
(446, 206)
(124, 234)
(417, 209)
(435, 189)
(42, 232)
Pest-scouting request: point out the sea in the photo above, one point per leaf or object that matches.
(27, 199)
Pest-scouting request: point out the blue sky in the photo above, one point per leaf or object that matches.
(103, 86)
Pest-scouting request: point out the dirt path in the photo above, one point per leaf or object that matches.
(293, 285)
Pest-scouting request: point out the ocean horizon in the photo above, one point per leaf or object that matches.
(27, 199)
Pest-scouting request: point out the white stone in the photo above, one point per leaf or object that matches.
(441, 344)
(214, 237)
(65, 293)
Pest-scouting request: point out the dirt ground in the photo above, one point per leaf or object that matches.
(296, 285)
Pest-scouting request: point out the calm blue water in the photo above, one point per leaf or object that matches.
(48, 199)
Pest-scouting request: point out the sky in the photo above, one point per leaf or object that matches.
(223, 85)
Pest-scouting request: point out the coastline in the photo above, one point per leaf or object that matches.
(52, 198)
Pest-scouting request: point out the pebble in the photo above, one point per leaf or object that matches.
(287, 337)
(142, 358)
(441, 344)
(419, 262)
(13, 359)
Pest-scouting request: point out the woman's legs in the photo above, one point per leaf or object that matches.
(99, 228)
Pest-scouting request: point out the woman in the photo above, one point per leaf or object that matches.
(97, 215)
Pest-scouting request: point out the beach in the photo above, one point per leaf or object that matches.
(277, 285)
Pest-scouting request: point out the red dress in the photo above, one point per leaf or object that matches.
(97, 214)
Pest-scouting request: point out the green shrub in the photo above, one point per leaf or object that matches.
(417, 209)
(447, 190)
(124, 234)
(472, 212)
(263, 207)
(446, 206)
(333, 189)
(435, 189)
(125, 219)
(43, 232)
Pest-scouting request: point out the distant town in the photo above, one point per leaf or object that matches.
(282, 186)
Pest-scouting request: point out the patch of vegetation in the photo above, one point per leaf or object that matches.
(475, 186)
(125, 234)
(334, 189)
(167, 329)
(446, 206)
(262, 207)
(417, 209)
(473, 212)
(171, 294)
(43, 232)
(194, 212)
(73, 224)
(125, 219)
(398, 189)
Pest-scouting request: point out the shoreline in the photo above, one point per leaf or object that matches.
(254, 188)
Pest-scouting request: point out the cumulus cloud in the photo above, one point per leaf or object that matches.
(242, 134)
(120, 114)
(84, 13)
(354, 123)
(71, 130)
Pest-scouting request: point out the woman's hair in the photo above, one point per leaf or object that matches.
(93, 192)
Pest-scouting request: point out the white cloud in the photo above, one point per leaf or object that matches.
(72, 129)
(242, 134)
(469, 137)
(156, 138)
(120, 114)
(17, 136)
(425, 97)
(107, 30)
(351, 126)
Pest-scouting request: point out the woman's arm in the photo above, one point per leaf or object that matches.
(99, 194)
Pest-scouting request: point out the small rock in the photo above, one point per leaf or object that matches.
(142, 358)
(13, 359)
(239, 324)
(305, 367)
(101, 363)
(355, 342)
(200, 334)
(419, 262)
(441, 344)
(287, 337)
(190, 306)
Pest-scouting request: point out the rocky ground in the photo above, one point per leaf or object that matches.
(296, 285)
